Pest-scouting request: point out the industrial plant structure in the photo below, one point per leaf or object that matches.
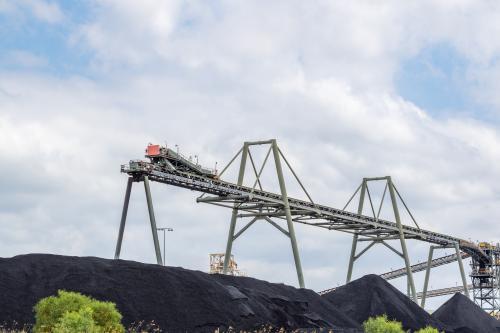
(253, 203)
(217, 265)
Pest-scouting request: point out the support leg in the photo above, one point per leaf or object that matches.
(124, 218)
(462, 272)
(427, 274)
(153, 221)
(232, 226)
(352, 257)
(409, 273)
(230, 238)
(288, 214)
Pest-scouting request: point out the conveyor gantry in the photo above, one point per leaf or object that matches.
(414, 268)
(423, 266)
(253, 202)
(444, 291)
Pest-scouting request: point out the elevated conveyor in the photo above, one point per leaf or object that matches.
(253, 201)
(444, 291)
(423, 266)
(167, 166)
(414, 268)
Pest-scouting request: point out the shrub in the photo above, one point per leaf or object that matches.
(382, 325)
(76, 322)
(428, 329)
(74, 312)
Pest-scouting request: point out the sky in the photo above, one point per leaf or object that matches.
(349, 89)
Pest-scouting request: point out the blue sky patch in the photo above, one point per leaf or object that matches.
(22, 35)
(436, 80)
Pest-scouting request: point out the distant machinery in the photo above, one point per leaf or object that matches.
(217, 265)
(485, 277)
(253, 202)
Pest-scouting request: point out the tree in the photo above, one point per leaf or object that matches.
(382, 325)
(73, 312)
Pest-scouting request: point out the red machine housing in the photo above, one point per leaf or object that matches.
(153, 150)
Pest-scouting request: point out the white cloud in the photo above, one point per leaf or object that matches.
(47, 11)
(19, 12)
(209, 76)
(24, 59)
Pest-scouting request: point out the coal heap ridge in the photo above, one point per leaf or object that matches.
(372, 296)
(463, 315)
(176, 299)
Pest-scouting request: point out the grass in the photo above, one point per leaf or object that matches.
(151, 327)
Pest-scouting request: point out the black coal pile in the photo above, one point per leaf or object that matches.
(174, 298)
(464, 315)
(372, 296)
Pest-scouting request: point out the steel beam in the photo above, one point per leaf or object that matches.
(124, 217)
(352, 257)
(152, 220)
(392, 249)
(276, 213)
(365, 249)
(462, 272)
(223, 198)
(257, 143)
(402, 238)
(277, 226)
(234, 216)
(248, 225)
(289, 221)
(427, 274)
(376, 178)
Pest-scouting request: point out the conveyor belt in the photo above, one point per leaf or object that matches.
(423, 266)
(444, 291)
(305, 212)
(414, 268)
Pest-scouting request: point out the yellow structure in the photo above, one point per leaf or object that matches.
(217, 265)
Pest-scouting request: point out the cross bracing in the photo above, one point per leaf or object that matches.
(423, 266)
(251, 202)
(256, 204)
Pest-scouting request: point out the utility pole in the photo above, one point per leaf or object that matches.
(164, 229)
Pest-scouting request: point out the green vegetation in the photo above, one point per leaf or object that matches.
(71, 312)
(428, 329)
(382, 325)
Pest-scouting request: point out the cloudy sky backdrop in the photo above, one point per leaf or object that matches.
(349, 88)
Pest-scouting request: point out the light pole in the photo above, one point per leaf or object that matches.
(164, 229)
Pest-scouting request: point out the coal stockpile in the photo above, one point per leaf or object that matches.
(464, 315)
(372, 296)
(307, 307)
(176, 299)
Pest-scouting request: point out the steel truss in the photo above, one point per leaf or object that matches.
(423, 266)
(458, 255)
(419, 268)
(443, 291)
(257, 204)
(381, 238)
(486, 279)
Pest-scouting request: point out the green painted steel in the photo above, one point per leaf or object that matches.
(427, 274)
(462, 271)
(124, 218)
(153, 221)
(402, 238)
(289, 222)
(172, 168)
(234, 215)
